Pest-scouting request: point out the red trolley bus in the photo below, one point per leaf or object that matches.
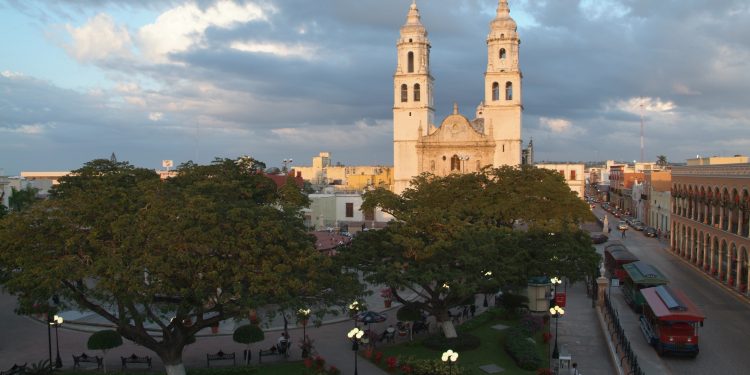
(670, 321)
(615, 256)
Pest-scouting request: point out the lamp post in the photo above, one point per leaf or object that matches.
(303, 315)
(556, 313)
(354, 308)
(49, 338)
(463, 158)
(450, 357)
(555, 282)
(286, 164)
(56, 321)
(488, 275)
(356, 336)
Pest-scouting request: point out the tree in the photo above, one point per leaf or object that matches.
(3, 210)
(248, 334)
(455, 236)
(661, 161)
(104, 340)
(178, 255)
(19, 200)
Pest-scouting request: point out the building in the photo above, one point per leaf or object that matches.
(710, 215)
(573, 174)
(458, 144)
(342, 212)
(343, 177)
(657, 189)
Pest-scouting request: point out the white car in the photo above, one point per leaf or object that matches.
(622, 225)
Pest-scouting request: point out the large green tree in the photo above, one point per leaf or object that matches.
(162, 260)
(19, 200)
(458, 235)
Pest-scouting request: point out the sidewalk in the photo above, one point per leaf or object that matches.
(581, 335)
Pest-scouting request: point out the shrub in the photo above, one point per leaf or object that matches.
(514, 302)
(464, 341)
(248, 334)
(521, 349)
(430, 367)
(533, 323)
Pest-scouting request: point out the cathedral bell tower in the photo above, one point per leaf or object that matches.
(413, 111)
(502, 87)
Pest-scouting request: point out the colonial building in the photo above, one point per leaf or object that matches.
(458, 144)
(573, 174)
(349, 178)
(657, 189)
(711, 219)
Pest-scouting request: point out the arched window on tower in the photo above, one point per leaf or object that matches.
(455, 163)
(495, 91)
(410, 62)
(416, 92)
(404, 93)
(502, 53)
(508, 91)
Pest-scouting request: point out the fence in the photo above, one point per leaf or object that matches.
(628, 359)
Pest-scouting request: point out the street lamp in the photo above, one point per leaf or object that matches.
(303, 315)
(555, 282)
(56, 321)
(356, 336)
(354, 308)
(488, 275)
(556, 313)
(450, 357)
(463, 158)
(286, 163)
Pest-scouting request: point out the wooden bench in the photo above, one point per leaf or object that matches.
(282, 349)
(220, 356)
(85, 358)
(15, 370)
(134, 359)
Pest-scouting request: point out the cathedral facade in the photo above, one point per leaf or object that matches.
(457, 145)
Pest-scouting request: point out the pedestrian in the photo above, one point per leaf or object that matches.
(574, 369)
(623, 233)
(658, 233)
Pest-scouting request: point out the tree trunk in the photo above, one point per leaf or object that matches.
(175, 369)
(448, 329)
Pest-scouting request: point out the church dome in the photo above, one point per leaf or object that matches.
(503, 24)
(413, 25)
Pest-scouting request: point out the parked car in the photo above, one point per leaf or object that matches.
(638, 226)
(598, 238)
(649, 232)
(622, 225)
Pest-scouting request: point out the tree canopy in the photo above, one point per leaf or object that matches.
(162, 260)
(462, 234)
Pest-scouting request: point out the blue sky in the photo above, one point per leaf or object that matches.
(194, 80)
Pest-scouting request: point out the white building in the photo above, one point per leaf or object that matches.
(458, 144)
(573, 174)
(342, 211)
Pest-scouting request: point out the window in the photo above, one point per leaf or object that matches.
(508, 91)
(416, 92)
(410, 62)
(432, 166)
(455, 163)
(495, 91)
(479, 165)
(404, 93)
(502, 53)
(350, 210)
(562, 173)
(572, 175)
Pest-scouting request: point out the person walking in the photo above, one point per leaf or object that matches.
(622, 234)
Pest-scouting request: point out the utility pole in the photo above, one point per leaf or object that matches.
(642, 130)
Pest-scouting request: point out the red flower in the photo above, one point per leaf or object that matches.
(308, 362)
(391, 362)
(406, 369)
(378, 357)
(368, 353)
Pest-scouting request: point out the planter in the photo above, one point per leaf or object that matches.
(387, 302)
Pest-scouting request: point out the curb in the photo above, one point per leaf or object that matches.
(613, 356)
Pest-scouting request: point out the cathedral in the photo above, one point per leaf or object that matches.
(458, 144)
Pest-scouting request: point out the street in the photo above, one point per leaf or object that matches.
(723, 345)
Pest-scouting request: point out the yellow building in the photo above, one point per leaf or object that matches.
(344, 177)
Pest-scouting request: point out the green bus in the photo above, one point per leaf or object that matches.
(639, 275)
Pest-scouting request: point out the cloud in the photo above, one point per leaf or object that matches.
(556, 125)
(683, 89)
(183, 27)
(9, 74)
(30, 129)
(301, 51)
(645, 105)
(99, 39)
(155, 116)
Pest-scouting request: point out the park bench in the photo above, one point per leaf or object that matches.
(220, 356)
(282, 349)
(15, 370)
(134, 359)
(85, 358)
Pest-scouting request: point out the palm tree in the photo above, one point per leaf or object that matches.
(661, 161)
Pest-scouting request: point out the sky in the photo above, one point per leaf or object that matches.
(154, 80)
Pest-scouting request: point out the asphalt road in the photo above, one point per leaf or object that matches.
(724, 344)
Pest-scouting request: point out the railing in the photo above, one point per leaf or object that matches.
(628, 359)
